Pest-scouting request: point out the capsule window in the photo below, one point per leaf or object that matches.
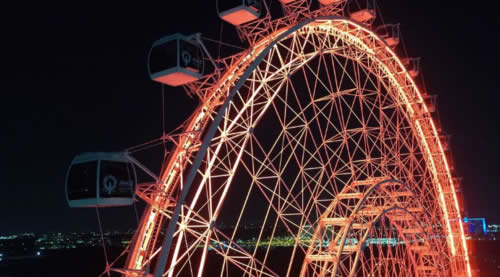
(116, 180)
(176, 60)
(101, 180)
(82, 180)
(163, 56)
(190, 56)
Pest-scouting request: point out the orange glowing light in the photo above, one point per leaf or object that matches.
(252, 84)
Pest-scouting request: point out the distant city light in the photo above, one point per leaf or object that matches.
(38, 253)
(493, 228)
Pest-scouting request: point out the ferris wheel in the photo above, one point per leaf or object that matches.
(312, 153)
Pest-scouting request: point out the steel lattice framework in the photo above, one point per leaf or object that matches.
(316, 133)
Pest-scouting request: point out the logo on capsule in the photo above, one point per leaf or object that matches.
(186, 57)
(109, 184)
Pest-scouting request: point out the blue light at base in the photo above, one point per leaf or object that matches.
(472, 227)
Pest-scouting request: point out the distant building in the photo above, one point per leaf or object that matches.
(476, 226)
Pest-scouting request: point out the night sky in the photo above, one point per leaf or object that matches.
(73, 79)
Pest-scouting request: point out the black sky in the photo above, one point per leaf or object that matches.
(73, 79)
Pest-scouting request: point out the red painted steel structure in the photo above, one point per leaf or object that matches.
(356, 159)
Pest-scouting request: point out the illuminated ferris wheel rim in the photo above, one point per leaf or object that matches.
(235, 78)
(354, 119)
(282, 35)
